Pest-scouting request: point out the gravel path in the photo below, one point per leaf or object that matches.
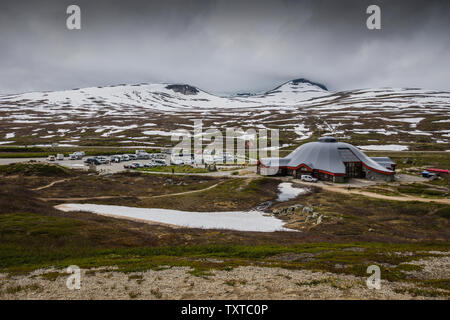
(344, 190)
(50, 184)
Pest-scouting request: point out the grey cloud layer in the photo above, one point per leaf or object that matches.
(224, 46)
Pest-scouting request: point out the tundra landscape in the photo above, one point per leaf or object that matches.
(211, 157)
(184, 231)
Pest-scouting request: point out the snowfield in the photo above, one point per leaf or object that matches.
(160, 98)
(235, 220)
(299, 109)
(389, 147)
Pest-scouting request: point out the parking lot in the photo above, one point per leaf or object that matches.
(114, 167)
(77, 164)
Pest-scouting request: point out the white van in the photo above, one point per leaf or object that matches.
(308, 178)
(59, 157)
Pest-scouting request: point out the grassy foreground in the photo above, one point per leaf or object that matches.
(34, 235)
(31, 241)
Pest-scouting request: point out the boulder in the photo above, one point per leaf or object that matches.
(307, 209)
(319, 220)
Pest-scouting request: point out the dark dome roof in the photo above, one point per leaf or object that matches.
(327, 139)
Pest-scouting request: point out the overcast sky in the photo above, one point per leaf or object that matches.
(224, 46)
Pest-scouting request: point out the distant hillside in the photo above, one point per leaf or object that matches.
(145, 114)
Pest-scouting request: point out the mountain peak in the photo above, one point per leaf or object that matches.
(303, 80)
(183, 88)
(169, 96)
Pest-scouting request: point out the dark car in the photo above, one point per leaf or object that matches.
(131, 166)
(92, 161)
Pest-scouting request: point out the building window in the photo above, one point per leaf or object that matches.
(353, 169)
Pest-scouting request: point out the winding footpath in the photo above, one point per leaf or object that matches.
(51, 184)
(139, 197)
(374, 195)
(324, 186)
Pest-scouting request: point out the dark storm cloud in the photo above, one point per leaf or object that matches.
(224, 46)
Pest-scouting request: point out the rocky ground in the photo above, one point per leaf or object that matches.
(246, 282)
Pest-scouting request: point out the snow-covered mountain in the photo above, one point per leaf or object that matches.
(144, 114)
(164, 97)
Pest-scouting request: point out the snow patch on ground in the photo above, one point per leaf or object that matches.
(157, 133)
(288, 192)
(386, 147)
(442, 121)
(408, 120)
(234, 220)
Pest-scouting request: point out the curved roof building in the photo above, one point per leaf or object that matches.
(328, 159)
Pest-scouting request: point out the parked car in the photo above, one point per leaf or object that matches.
(224, 158)
(158, 155)
(51, 158)
(137, 165)
(78, 155)
(132, 156)
(308, 178)
(115, 158)
(160, 162)
(427, 174)
(102, 159)
(125, 157)
(143, 155)
(92, 161)
(133, 165)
